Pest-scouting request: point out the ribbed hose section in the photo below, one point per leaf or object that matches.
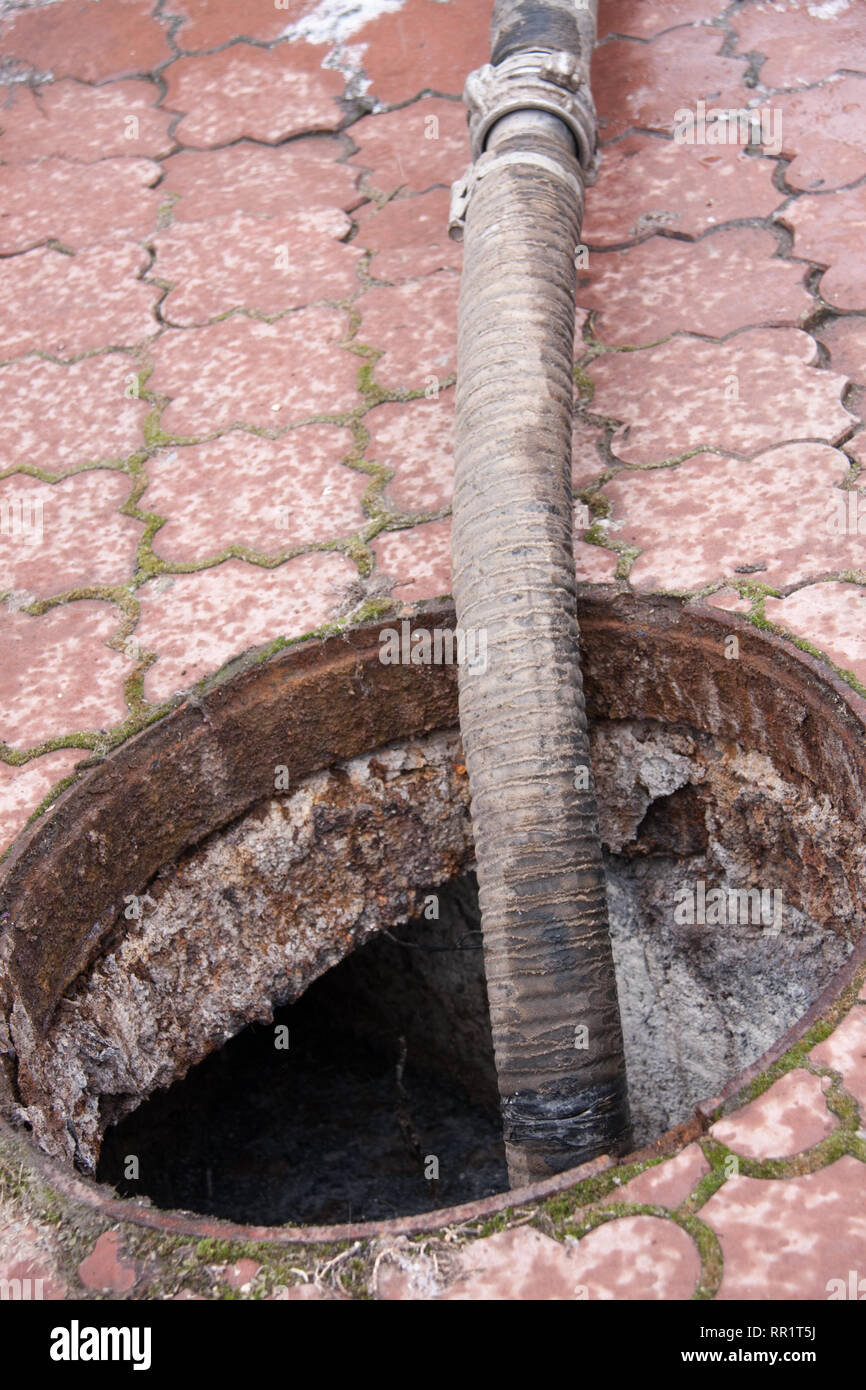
(553, 1004)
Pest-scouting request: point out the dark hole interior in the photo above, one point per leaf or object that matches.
(383, 1104)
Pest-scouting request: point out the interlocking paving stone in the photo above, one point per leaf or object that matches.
(26, 1253)
(196, 622)
(116, 38)
(66, 305)
(644, 18)
(408, 237)
(823, 133)
(105, 1268)
(23, 788)
(647, 184)
(788, 1118)
(43, 201)
(412, 49)
(263, 94)
(418, 560)
(633, 1257)
(414, 148)
(416, 439)
(59, 416)
(58, 675)
(786, 1238)
(832, 616)
(725, 282)
(845, 1052)
(846, 341)
(243, 371)
(70, 534)
(210, 23)
(754, 390)
(644, 84)
(84, 123)
(667, 1184)
(709, 516)
(593, 563)
(268, 265)
(266, 494)
(259, 180)
(832, 232)
(415, 327)
(804, 40)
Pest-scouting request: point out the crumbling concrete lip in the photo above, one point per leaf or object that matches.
(206, 764)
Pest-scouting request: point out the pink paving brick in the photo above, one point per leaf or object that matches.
(65, 305)
(712, 515)
(417, 560)
(116, 38)
(266, 494)
(823, 133)
(804, 41)
(417, 441)
(58, 675)
(260, 94)
(26, 1255)
(594, 564)
(242, 1274)
(242, 371)
(268, 265)
(56, 416)
(258, 180)
(729, 600)
(413, 49)
(586, 461)
(647, 184)
(788, 1118)
(635, 1257)
(644, 18)
(70, 534)
(846, 341)
(105, 1269)
(667, 1184)
(787, 1238)
(832, 232)
(211, 23)
(22, 789)
(415, 327)
(832, 616)
(725, 282)
(84, 123)
(754, 390)
(409, 237)
(414, 148)
(644, 85)
(199, 621)
(845, 1052)
(44, 201)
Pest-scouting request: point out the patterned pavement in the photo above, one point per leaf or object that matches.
(228, 358)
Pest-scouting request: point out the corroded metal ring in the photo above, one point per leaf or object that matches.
(537, 80)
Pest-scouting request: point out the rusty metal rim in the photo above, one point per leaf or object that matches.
(423, 699)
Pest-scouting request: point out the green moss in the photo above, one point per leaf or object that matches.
(585, 385)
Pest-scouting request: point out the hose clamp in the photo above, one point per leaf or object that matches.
(540, 80)
(462, 189)
(537, 80)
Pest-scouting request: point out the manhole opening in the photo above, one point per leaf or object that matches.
(373, 1096)
(384, 1104)
(188, 900)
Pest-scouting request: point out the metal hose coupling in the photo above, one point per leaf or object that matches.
(533, 80)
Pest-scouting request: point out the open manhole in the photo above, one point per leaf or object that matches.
(241, 960)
